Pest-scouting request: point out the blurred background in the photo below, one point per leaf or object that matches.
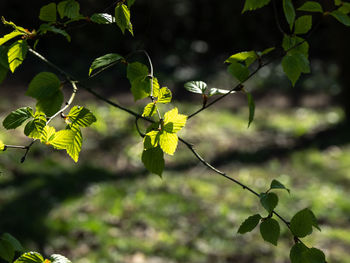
(108, 208)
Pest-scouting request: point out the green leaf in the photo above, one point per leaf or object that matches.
(16, 54)
(164, 95)
(30, 257)
(151, 139)
(338, 2)
(302, 222)
(7, 252)
(130, 3)
(270, 230)
(269, 201)
(44, 28)
(104, 61)
(48, 13)
(43, 85)
(16, 245)
(51, 105)
(17, 117)
(122, 18)
(248, 57)
(215, 91)
(297, 253)
(34, 127)
(266, 51)
(345, 8)
(277, 185)
(251, 105)
(239, 71)
(168, 142)
(249, 224)
(63, 139)
(303, 24)
(153, 159)
(56, 258)
(10, 36)
(291, 66)
(173, 121)
(149, 110)
(2, 145)
(196, 87)
(69, 8)
(251, 5)
(137, 74)
(295, 45)
(289, 12)
(341, 17)
(80, 116)
(102, 18)
(73, 149)
(136, 70)
(315, 255)
(311, 6)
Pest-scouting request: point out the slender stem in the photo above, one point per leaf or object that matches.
(14, 147)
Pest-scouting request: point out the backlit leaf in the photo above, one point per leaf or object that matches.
(16, 54)
(164, 95)
(43, 85)
(73, 149)
(51, 105)
(249, 224)
(248, 57)
(168, 142)
(63, 139)
(34, 127)
(48, 13)
(104, 61)
(30, 257)
(250, 5)
(17, 117)
(81, 116)
(303, 24)
(289, 12)
(196, 87)
(153, 159)
(173, 121)
(149, 110)
(2, 145)
(56, 258)
(311, 6)
(295, 45)
(122, 18)
(10, 36)
(239, 71)
(270, 230)
(102, 18)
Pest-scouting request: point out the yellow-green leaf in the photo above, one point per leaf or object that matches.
(73, 149)
(34, 127)
(10, 36)
(164, 95)
(47, 134)
(122, 18)
(150, 110)
(81, 116)
(168, 142)
(2, 145)
(30, 257)
(43, 85)
(63, 139)
(151, 139)
(17, 54)
(173, 121)
(248, 57)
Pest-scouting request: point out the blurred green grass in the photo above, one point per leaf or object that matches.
(107, 208)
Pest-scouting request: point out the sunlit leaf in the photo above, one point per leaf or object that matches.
(164, 95)
(249, 224)
(215, 91)
(16, 54)
(17, 118)
(2, 145)
(14, 26)
(270, 230)
(63, 139)
(102, 18)
(168, 142)
(122, 18)
(30, 257)
(239, 71)
(48, 13)
(311, 6)
(196, 87)
(153, 159)
(34, 127)
(149, 110)
(251, 5)
(104, 61)
(73, 149)
(81, 116)
(173, 121)
(10, 36)
(248, 57)
(56, 258)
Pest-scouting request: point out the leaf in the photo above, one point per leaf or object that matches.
(2, 146)
(136, 70)
(34, 127)
(266, 51)
(295, 45)
(289, 12)
(43, 85)
(215, 91)
(341, 17)
(63, 139)
(73, 149)
(270, 230)
(297, 253)
(48, 13)
(30, 257)
(16, 245)
(149, 110)
(251, 105)
(173, 121)
(137, 74)
(303, 24)
(315, 255)
(196, 87)
(239, 71)
(301, 223)
(56, 258)
(44, 28)
(122, 18)
(248, 57)
(164, 95)
(7, 252)
(269, 201)
(153, 159)
(338, 2)
(130, 3)
(10, 36)
(345, 8)
(16, 54)
(277, 185)
(291, 67)
(249, 224)
(104, 61)
(17, 117)
(102, 18)
(15, 27)
(81, 116)
(311, 6)
(47, 135)
(251, 5)
(168, 142)
(69, 8)
(51, 105)
(151, 139)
